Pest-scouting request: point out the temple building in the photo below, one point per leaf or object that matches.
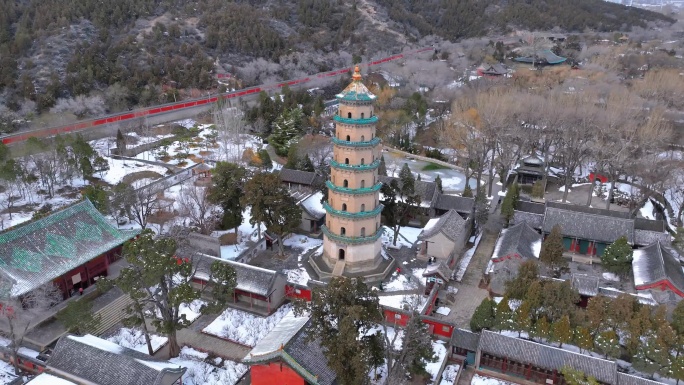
(352, 228)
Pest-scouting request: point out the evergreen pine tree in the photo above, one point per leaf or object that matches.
(307, 164)
(483, 318)
(617, 257)
(509, 204)
(438, 183)
(541, 329)
(608, 344)
(552, 252)
(583, 338)
(266, 162)
(522, 317)
(502, 315)
(467, 192)
(293, 160)
(561, 332)
(382, 169)
(538, 189)
(408, 186)
(517, 288)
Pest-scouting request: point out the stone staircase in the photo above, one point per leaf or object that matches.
(339, 268)
(112, 314)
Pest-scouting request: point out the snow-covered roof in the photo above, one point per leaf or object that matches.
(43, 250)
(289, 341)
(587, 285)
(49, 379)
(251, 279)
(656, 264)
(313, 206)
(438, 268)
(280, 335)
(546, 357)
(451, 224)
(95, 360)
(518, 241)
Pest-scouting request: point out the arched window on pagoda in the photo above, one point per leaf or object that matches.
(344, 207)
(349, 115)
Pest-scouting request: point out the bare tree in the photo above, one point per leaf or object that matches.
(194, 203)
(19, 315)
(230, 125)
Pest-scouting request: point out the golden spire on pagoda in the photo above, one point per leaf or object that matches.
(357, 74)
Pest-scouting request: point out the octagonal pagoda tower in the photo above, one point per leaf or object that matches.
(352, 230)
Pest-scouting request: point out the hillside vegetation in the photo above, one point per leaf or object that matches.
(142, 52)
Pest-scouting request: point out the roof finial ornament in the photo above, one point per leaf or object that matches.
(357, 74)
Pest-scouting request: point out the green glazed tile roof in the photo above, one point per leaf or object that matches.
(38, 252)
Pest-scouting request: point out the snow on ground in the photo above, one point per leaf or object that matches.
(479, 379)
(245, 328)
(135, 339)
(648, 210)
(48, 379)
(399, 282)
(246, 232)
(379, 376)
(6, 373)
(305, 244)
(418, 274)
(407, 236)
(449, 374)
(200, 372)
(433, 368)
(302, 242)
(191, 311)
(413, 301)
(465, 261)
(611, 277)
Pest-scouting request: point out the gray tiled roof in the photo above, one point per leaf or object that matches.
(451, 224)
(646, 237)
(546, 357)
(518, 240)
(248, 278)
(296, 176)
(587, 285)
(426, 190)
(649, 224)
(309, 354)
(583, 225)
(628, 379)
(460, 204)
(36, 253)
(655, 263)
(102, 362)
(589, 210)
(534, 220)
(465, 339)
(530, 207)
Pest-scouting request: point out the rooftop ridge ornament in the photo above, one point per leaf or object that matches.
(357, 74)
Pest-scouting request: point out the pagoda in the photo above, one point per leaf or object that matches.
(352, 230)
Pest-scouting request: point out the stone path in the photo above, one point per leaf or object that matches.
(469, 294)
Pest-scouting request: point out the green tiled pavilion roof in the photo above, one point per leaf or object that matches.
(38, 252)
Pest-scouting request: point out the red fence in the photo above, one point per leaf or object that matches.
(164, 108)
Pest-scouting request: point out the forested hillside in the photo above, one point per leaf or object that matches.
(142, 52)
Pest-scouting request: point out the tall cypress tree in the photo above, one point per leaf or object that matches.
(552, 252)
(483, 318)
